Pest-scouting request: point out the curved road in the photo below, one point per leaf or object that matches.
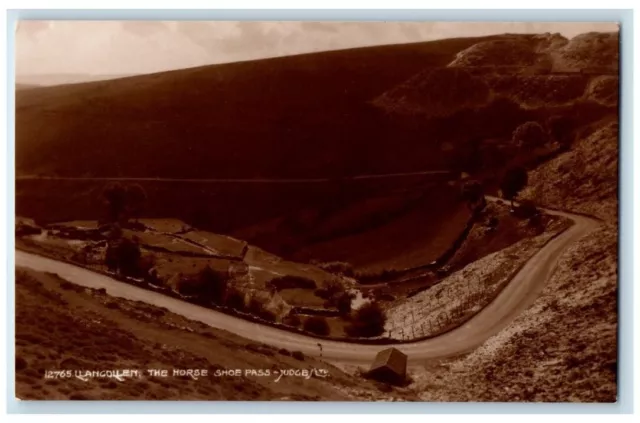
(520, 293)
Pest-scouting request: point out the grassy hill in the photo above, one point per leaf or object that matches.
(85, 329)
(386, 109)
(303, 115)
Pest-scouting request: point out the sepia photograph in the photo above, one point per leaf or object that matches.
(316, 211)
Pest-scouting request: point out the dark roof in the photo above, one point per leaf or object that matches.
(392, 359)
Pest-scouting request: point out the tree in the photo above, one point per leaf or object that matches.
(368, 321)
(560, 128)
(513, 181)
(334, 287)
(337, 296)
(124, 256)
(343, 302)
(526, 209)
(235, 299)
(473, 194)
(123, 201)
(530, 135)
(135, 198)
(213, 285)
(114, 194)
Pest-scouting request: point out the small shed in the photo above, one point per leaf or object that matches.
(389, 366)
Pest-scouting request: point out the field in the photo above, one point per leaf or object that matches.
(165, 242)
(172, 258)
(218, 244)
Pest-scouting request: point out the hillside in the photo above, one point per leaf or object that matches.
(398, 108)
(565, 345)
(458, 104)
(86, 330)
(593, 50)
(584, 179)
(309, 114)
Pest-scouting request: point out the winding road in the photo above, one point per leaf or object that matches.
(519, 294)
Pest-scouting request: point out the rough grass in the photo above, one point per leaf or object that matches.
(584, 179)
(80, 330)
(535, 91)
(562, 349)
(244, 101)
(465, 292)
(436, 93)
(482, 240)
(413, 238)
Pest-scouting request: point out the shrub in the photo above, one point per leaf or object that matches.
(298, 355)
(317, 325)
(292, 319)
(513, 181)
(530, 135)
(321, 293)
(334, 287)
(267, 315)
(537, 223)
(382, 275)
(285, 352)
(146, 265)
(258, 309)
(343, 302)
(337, 267)
(367, 321)
(526, 209)
(213, 285)
(473, 193)
(561, 129)
(24, 230)
(235, 299)
(291, 281)
(255, 306)
(114, 195)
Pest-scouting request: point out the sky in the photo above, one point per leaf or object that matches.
(94, 48)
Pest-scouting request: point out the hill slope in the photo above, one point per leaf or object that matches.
(309, 114)
(87, 330)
